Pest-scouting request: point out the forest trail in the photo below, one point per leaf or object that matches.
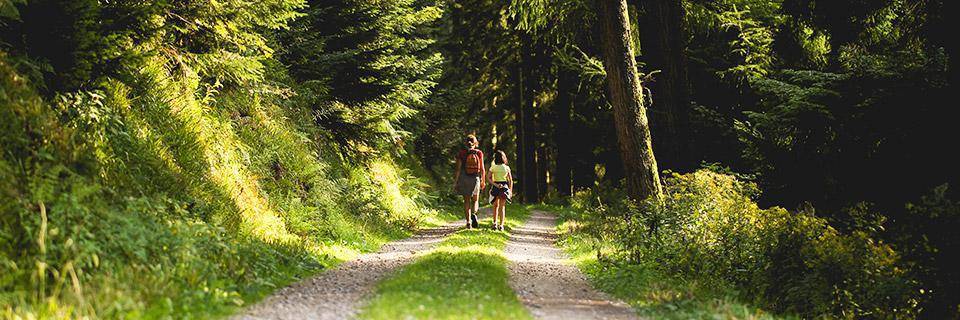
(549, 287)
(339, 293)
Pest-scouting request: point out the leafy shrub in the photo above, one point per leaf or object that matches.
(708, 225)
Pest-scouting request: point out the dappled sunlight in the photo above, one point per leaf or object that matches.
(336, 252)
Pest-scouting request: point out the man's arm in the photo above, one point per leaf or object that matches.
(456, 175)
(483, 172)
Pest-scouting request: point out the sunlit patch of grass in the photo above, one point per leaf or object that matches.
(464, 277)
(651, 293)
(439, 217)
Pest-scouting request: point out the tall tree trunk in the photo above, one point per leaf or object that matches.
(566, 89)
(629, 114)
(543, 161)
(543, 55)
(531, 192)
(518, 107)
(661, 37)
(524, 123)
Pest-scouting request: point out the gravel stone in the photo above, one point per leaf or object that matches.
(339, 293)
(549, 287)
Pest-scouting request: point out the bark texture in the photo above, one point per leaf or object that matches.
(630, 118)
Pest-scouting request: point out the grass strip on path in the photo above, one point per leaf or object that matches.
(464, 277)
(651, 293)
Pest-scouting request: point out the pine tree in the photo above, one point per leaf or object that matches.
(363, 66)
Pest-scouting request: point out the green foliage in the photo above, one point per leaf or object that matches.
(8, 9)
(76, 43)
(652, 292)
(828, 133)
(162, 169)
(364, 66)
(708, 226)
(799, 119)
(853, 94)
(74, 247)
(747, 26)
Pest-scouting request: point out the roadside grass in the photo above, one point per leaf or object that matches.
(441, 216)
(650, 292)
(464, 277)
(369, 237)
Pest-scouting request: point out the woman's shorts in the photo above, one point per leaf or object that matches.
(500, 190)
(468, 185)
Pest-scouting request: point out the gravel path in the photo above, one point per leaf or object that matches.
(550, 288)
(339, 292)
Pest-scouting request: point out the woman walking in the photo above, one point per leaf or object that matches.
(470, 177)
(501, 185)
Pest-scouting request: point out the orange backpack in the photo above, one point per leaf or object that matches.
(472, 161)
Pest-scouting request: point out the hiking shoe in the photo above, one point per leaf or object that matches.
(501, 227)
(469, 225)
(473, 220)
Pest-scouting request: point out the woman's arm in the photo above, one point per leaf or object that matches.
(510, 179)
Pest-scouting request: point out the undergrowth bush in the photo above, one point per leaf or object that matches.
(708, 226)
(164, 195)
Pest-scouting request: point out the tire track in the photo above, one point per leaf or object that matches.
(548, 287)
(339, 292)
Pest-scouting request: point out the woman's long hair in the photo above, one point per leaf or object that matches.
(499, 157)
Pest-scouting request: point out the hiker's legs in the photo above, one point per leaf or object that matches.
(496, 209)
(475, 204)
(502, 212)
(467, 207)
